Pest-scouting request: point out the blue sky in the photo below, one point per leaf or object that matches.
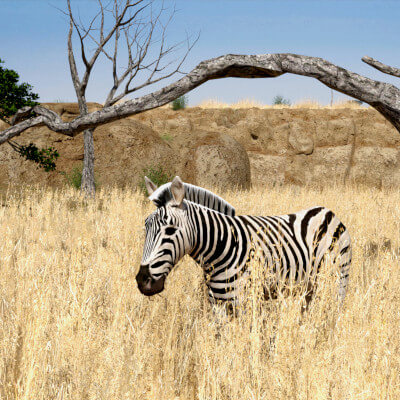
(33, 37)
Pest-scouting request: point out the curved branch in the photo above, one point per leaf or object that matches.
(45, 117)
(16, 130)
(23, 112)
(382, 96)
(386, 69)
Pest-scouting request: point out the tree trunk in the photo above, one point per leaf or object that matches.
(88, 184)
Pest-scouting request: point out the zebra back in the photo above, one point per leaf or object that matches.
(195, 194)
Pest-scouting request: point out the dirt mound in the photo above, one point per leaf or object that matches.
(122, 150)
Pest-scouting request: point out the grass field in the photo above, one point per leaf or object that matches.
(74, 326)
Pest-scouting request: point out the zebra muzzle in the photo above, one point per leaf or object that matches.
(147, 284)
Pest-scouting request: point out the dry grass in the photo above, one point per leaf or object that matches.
(307, 103)
(74, 326)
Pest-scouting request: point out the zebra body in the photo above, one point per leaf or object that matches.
(292, 246)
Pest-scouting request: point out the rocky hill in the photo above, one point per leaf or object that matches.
(225, 147)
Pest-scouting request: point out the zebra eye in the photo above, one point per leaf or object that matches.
(170, 230)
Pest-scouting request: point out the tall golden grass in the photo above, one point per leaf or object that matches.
(74, 326)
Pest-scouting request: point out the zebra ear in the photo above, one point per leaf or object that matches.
(150, 186)
(177, 190)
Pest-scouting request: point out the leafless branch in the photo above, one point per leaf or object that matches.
(22, 113)
(71, 58)
(383, 96)
(386, 69)
(138, 30)
(150, 80)
(104, 38)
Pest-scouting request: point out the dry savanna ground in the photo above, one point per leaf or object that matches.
(74, 326)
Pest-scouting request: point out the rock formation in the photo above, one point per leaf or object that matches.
(224, 147)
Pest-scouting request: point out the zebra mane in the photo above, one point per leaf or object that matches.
(195, 194)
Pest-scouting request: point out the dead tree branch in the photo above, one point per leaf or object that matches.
(386, 69)
(382, 96)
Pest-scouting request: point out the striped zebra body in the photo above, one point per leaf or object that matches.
(292, 246)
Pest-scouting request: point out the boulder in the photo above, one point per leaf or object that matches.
(125, 148)
(212, 159)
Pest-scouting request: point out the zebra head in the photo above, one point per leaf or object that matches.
(167, 240)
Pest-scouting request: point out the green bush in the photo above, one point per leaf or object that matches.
(166, 137)
(74, 177)
(45, 158)
(180, 103)
(157, 175)
(281, 100)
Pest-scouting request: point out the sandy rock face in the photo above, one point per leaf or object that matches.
(307, 146)
(379, 167)
(224, 147)
(124, 149)
(300, 139)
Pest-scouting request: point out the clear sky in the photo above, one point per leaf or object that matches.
(33, 37)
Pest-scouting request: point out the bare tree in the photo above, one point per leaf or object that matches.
(384, 97)
(141, 30)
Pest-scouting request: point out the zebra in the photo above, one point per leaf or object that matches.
(193, 221)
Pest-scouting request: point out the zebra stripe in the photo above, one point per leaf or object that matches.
(292, 246)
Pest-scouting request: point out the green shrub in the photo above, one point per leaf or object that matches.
(45, 158)
(281, 100)
(166, 137)
(355, 101)
(157, 175)
(74, 177)
(180, 103)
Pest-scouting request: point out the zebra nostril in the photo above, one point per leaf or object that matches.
(143, 275)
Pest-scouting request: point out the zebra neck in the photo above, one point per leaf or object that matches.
(219, 240)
